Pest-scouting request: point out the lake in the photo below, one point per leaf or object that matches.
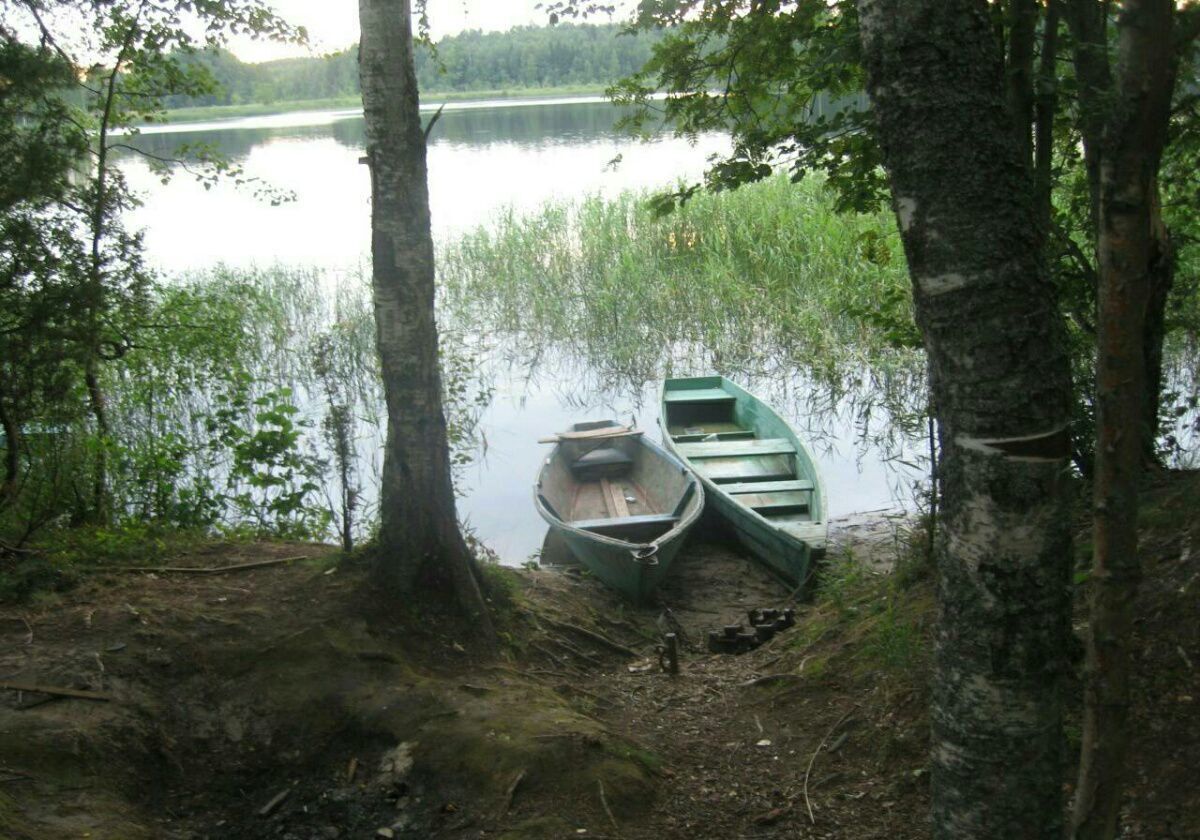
(484, 159)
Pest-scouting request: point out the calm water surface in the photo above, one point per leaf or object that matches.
(484, 159)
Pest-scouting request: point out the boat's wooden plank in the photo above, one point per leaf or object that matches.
(614, 497)
(708, 427)
(699, 437)
(686, 497)
(614, 521)
(592, 434)
(589, 502)
(750, 468)
(698, 395)
(816, 534)
(709, 430)
(737, 448)
(767, 486)
(768, 503)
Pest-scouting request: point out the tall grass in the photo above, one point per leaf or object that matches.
(252, 402)
(767, 268)
(766, 283)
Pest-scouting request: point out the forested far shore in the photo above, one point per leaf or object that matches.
(525, 58)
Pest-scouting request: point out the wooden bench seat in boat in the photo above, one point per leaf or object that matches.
(611, 522)
(736, 448)
(767, 486)
(772, 504)
(754, 468)
(698, 395)
(709, 431)
(605, 461)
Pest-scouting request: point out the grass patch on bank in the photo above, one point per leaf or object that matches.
(865, 623)
(60, 558)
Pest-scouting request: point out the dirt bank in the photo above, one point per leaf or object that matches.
(274, 702)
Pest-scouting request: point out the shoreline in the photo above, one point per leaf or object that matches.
(434, 99)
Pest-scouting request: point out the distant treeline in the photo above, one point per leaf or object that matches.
(524, 57)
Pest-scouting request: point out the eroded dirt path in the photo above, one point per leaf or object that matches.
(736, 735)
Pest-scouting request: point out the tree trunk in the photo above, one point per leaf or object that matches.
(12, 456)
(1088, 22)
(99, 407)
(1089, 25)
(1046, 101)
(1137, 108)
(963, 197)
(1161, 278)
(1022, 32)
(420, 542)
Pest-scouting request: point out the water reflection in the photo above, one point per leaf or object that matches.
(866, 461)
(570, 123)
(481, 161)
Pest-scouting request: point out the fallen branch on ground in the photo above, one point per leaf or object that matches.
(57, 691)
(811, 761)
(598, 638)
(607, 810)
(511, 791)
(275, 802)
(767, 679)
(201, 570)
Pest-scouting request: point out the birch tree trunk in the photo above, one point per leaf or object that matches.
(963, 195)
(421, 547)
(1133, 113)
(1100, 102)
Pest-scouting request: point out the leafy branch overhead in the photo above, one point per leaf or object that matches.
(785, 79)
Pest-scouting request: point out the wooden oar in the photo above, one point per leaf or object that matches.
(592, 434)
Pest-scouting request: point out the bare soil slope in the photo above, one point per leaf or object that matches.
(279, 702)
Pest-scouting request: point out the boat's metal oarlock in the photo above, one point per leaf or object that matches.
(646, 555)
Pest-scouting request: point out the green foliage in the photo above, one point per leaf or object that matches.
(915, 560)
(525, 57)
(885, 616)
(785, 79)
(269, 478)
(600, 270)
(74, 292)
(253, 406)
(65, 554)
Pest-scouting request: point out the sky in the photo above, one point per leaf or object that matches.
(333, 24)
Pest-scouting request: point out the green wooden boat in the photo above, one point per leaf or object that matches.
(619, 502)
(757, 473)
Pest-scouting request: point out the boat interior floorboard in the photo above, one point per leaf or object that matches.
(746, 469)
(713, 430)
(609, 498)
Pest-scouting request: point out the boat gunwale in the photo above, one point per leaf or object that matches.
(685, 521)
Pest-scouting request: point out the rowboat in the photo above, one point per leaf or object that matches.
(757, 473)
(619, 502)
